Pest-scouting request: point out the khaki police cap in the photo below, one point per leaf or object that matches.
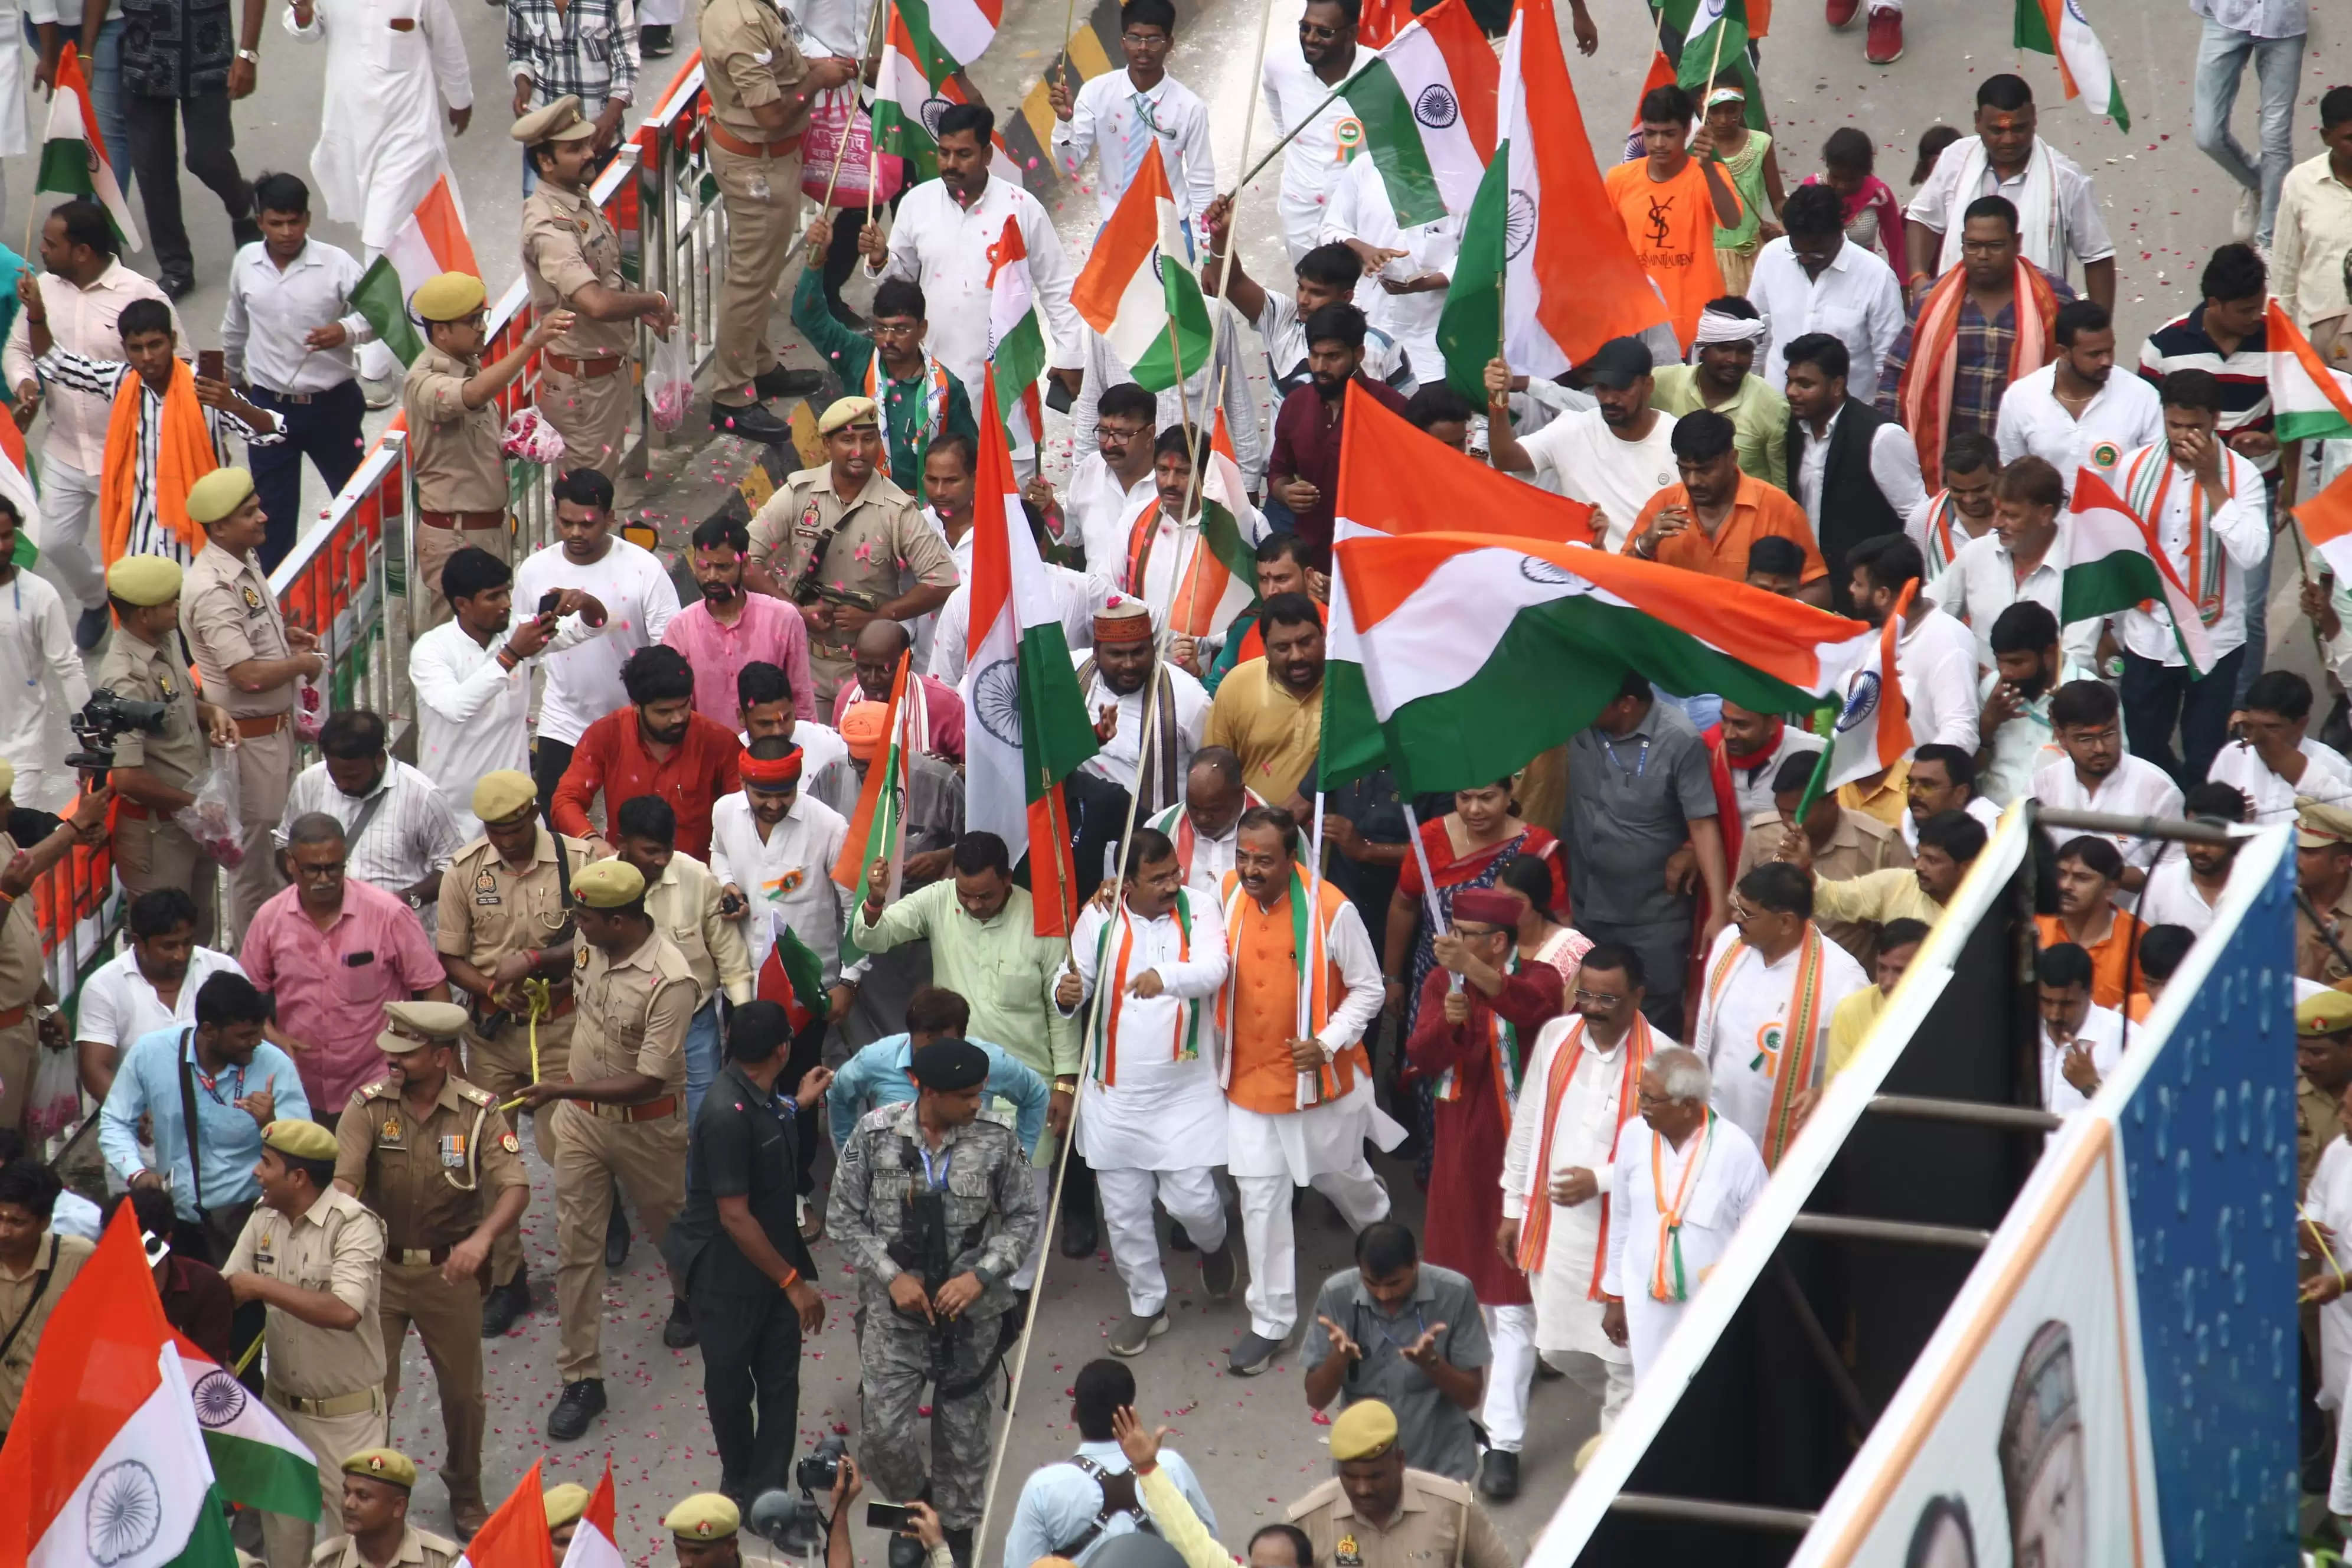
(608, 885)
(218, 493)
(7, 776)
(2319, 825)
(301, 1140)
(144, 580)
(565, 1503)
(412, 1025)
(387, 1465)
(504, 794)
(1365, 1430)
(845, 411)
(561, 120)
(451, 297)
(705, 1516)
(2323, 1013)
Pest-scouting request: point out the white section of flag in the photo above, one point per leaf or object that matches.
(136, 1506)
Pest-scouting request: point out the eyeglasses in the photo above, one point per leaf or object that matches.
(896, 329)
(326, 872)
(1146, 40)
(1595, 998)
(1644, 1097)
(1310, 30)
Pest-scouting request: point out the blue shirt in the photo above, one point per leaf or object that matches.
(228, 1140)
(876, 1077)
(1058, 1504)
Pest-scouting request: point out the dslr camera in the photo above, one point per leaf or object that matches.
(796, 1524)
(104, 719)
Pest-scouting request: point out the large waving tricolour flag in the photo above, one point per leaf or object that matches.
(433, 241)
(2115, 564)
(2311, 400)
(1137, 288)
(1427, 106)
(596, 1544)
(1016, 343)
(75, 159)
(918, 80)
(2059, 27)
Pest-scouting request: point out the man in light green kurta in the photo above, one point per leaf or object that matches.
(1724, 380)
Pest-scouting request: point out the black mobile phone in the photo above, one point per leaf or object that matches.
(549, 600)
(890, 1516)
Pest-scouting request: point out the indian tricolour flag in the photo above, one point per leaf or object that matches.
(878, 828)
(2115, 564)
(75, 161)
(596, 1544)
(433, 241)
(2310, 400)
(1221, 572)
(2325, 519)
(109, 1466)
(913, 85)
(1016, 343)
(1872, 730)
(516, 1535)
(1427, 106)
(1542, 240)
(1136, 289)
(257, 1461)
(1026, 726)
(2059, 27)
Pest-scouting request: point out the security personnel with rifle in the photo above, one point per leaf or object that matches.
(833, 541)
(506, 940)
(935, 1209)
(431, 1154)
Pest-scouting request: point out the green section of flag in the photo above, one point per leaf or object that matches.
(806, 972)
(2320, 424)
(1158, 369)
(65, 169)
(1393, 138)
(898, 133)
(1056, 736)
(379, 297)
(1470, 330)
(263, 1475)
(2030, 30)
(1221, 532)
(208, 1543)
(1020, 360)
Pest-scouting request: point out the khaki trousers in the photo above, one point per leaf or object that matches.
(151, 852)
(20, 1052)
(433, 548)
(287, 1541)
(762, 196)
(264, 776)
(591, 414)
(648, 1160)
(449, 1318)
(501, 1067)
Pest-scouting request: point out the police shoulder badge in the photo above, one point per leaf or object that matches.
(252, 599)
(582, 961)
(509, 1144)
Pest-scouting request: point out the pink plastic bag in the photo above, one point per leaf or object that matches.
(841, 131)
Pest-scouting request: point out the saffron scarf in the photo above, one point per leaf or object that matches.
(1311, 941)
(1535, 1230)
(1669, 1280)
(1503, 1052)
(183, 454)
(1110, 993)
(1924, 396)
(935, 410)
(1790, 1060)
(2147, 484)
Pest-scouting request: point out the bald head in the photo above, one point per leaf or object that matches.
(877, 654)
(1213, 797)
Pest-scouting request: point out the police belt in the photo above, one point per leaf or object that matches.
(335, 1405)
(416, 1256)
(651, 1110)
(581, 369)
(744, 148)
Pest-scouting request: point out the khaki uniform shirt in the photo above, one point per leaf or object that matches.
(453, 450)
(1438, 1525)
(230, 615)
(749, 59)
(1859, 845)
(568, 243)
(430, 1181)
(2314, 958)
(2317, 1122)
(488, 909)
(178, 754)
(877, 533)
(685, 907)
(336, 1246)
(634, 1014)
(416, 1546)
(63, 1255)
(22, 965)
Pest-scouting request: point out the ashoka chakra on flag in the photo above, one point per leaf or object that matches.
(1436, 108)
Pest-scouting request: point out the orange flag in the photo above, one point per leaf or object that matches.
(2327, 521)
(516, 1536)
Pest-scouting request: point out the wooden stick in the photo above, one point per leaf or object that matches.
(1192, 499)
(841, 144)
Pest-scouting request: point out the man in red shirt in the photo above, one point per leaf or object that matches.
(656, 745)
(1304, 472)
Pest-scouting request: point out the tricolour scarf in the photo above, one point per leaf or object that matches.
(1111, 992)
(1790, 1063)
(1535, 1230)
(935, 410)
(1924, 396)
(183, 454)
(2147, 484)
(1503, 1053)
(1669, 1280)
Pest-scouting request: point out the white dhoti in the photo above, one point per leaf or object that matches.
(1322, 1147)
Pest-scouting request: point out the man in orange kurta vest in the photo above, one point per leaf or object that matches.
(1298, 1084)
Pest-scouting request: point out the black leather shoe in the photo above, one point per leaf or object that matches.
(617, 1236)
(749, 423)
(1500, 1478)
(654, 41)
(505, 1307)
(780, 381)
(177, 285)
(90, 630)
(581, 1402)
(1178, 1238)
(679, 1332)
(1079, 1236)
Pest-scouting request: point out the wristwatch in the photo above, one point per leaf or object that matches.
(250, 56)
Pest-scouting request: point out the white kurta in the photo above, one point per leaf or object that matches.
(1211, 857)
(1722, 1192)
(42, 680)
(1164, 1113)
(1311, 165)
(1119, 757)
(2329, 1201)
(1583, 1135)
(2102, 1031)
(1741, 1023)
(944, 247)
(1360, 208)
(790, 872)
(380, 141)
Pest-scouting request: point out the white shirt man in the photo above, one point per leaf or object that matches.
(1120, 120)
(2233, 538)
(42, 675)
(584, 681)
(1585, 459)
(2327, 777)
(1745, 1012)
(1982, 582)
(1359, 209)
(1098, 508)
(1151, 1114)
(272, 309)
(1716, 1198)
(1856, 300)
(1229, 370)
(1936, 658)
(1118, 758)
(1285, 332)
(2138, 788)
(2024, 745)
(473, 713)
(2124, 413)
(1894, 467)
(1298, 100)
(411, 831)
(944, 247)
(2172, 897)
(1752, 781)
(786, 868)
(2058, 211)
(2102, 1031)
(117, 1003)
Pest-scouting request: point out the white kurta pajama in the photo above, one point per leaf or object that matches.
(1315, 159)
(1360, 208)
(1717, 1197)
(1119, 757)
(2329, 1203)
(790, 872)
(1743, 1022)
(1151, 1117)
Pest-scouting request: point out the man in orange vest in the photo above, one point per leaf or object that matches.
(1296, 1076)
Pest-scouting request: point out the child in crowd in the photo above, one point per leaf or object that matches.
(1874, 215)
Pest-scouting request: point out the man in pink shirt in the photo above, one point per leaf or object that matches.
(731, 628)
(332, 950)
(938, 726)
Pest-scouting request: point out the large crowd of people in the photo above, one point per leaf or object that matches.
(613, 907)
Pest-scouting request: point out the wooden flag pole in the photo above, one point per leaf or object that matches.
(841, 143)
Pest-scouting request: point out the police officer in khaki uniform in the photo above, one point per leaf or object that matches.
(2323, 1059)
(376, 1532)
(565, 1502)
(431, 1154)
(624, 1119)
(571, 254)
(703, 1528)
(761, 88)
(1376, 1513)
(504, 921)
(2323, 869)
(455, 429)
(845, 530)
(313, 1254)
(157, 771)
(251, 661)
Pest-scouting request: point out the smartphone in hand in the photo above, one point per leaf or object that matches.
(890, 1516)
(212, 364)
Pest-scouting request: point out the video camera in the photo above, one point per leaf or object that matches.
(796, 1524)
(105, 718)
